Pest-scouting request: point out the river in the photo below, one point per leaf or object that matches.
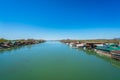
(53, 60)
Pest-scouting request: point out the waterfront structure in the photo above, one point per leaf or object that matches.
(108, 48)
(112, 50)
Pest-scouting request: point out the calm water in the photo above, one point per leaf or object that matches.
(56, 61)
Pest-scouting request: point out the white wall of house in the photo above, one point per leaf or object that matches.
(99, 44)
(79, 45)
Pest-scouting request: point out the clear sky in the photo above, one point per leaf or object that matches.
(59, 19)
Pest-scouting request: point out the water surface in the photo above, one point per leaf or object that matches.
(56, 61)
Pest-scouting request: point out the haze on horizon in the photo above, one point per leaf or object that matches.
(59, 19)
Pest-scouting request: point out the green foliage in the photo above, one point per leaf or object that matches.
(3, 40)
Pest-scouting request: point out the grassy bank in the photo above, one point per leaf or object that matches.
(92, 41)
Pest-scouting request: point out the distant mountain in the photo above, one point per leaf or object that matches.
(117, 38)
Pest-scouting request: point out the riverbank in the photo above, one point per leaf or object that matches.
(5, 44)
(110, 48)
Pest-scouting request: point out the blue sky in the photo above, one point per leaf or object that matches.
(59, 19)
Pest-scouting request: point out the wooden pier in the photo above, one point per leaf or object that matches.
(115, 55)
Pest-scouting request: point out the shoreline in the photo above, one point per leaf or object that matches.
(6, 44)
(109, 48)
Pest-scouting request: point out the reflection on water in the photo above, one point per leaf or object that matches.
(15, 48)
(114, 62)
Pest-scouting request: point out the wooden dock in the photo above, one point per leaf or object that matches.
(115, 55)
